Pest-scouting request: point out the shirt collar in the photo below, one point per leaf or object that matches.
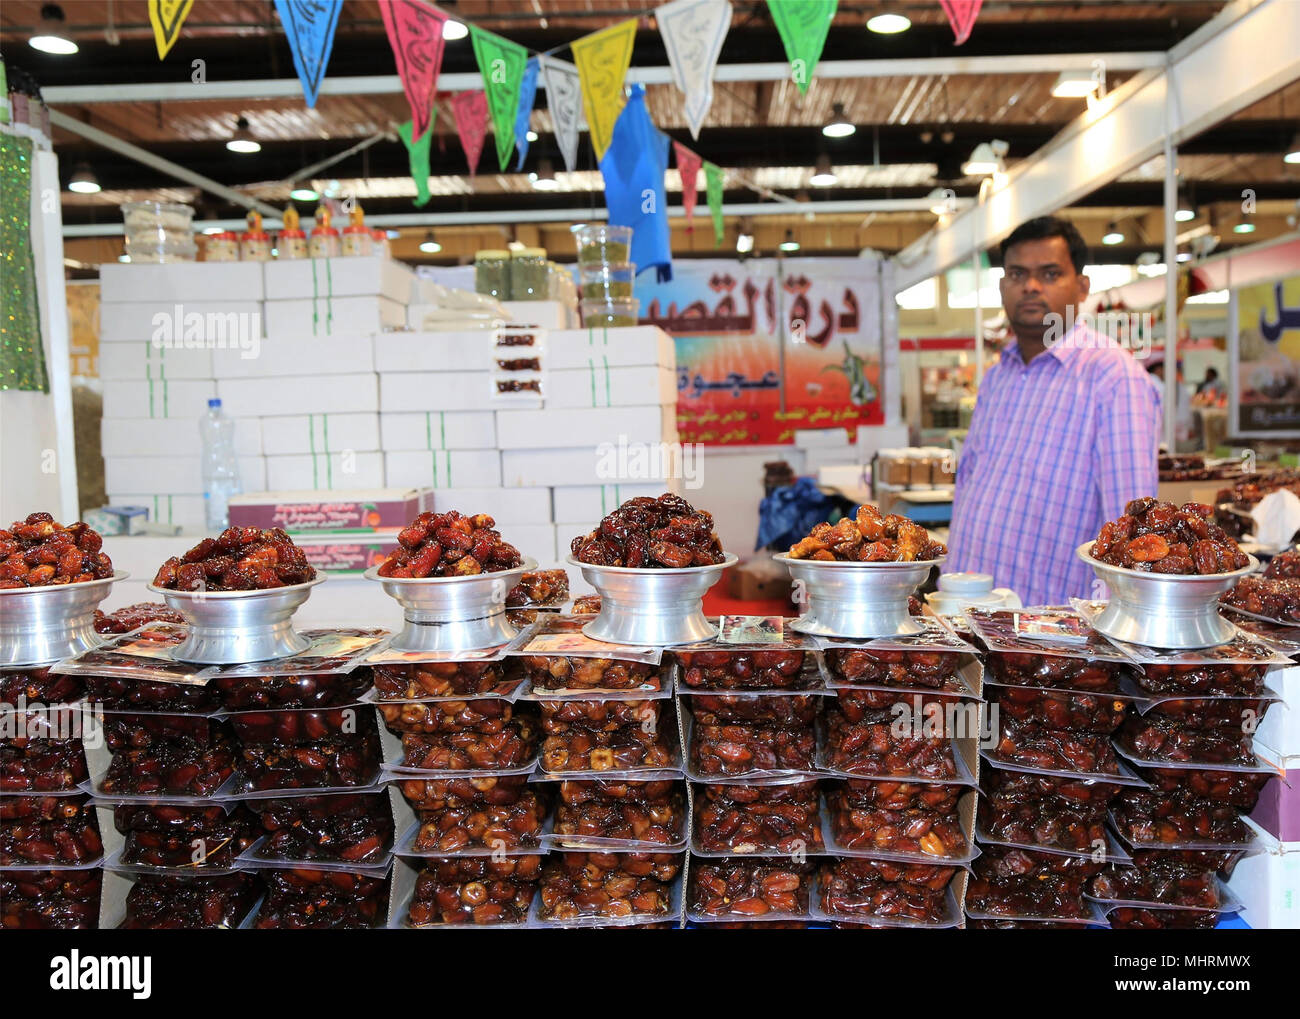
(1062, 350)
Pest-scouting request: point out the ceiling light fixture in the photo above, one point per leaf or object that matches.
(839, 125)
(1292, 154)
(1075, 85)
(1245, 226)
(52, 35)
(544, 178)
(453, 30)
(888, 24)
(823, 175)
(429, 246)
(84, 181)
(1185, 211)
(393, 235)
(242, 141)
(531, 135)
(1113, 234)
(986, 160)
(302, 193)
(789, 244)
(744, 243)
(943, 201)
(1184, 256)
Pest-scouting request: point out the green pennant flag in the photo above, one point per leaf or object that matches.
(803, 25)
(502, 63)
(418, 153)
(713, 193)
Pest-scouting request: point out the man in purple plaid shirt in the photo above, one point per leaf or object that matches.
(1065, 432)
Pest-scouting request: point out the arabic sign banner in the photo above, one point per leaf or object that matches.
(767, 346)
(1265, 358)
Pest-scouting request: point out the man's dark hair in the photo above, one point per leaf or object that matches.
(1211, 373)
(1043, 227)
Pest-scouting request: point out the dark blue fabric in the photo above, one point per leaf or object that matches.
(633, 168)
(789, 513)
(527, 93)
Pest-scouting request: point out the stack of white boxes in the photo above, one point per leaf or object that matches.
(332, 392)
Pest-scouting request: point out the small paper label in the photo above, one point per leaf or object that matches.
(751, 629)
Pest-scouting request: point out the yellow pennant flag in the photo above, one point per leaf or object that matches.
(603, 59)
(167, 16)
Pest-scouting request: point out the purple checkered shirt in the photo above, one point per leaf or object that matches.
(1056, 448)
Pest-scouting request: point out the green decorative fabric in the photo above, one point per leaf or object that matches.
(22, 358)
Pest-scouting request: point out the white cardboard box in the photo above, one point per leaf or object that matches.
(505, 505)
(536, 540)
(185, 510)
(206, 323)
(575, 503)
(435, 391)
(556, 427)
(332, 316)
(545, 314)
(470, 351)
(324, 471)
(1280, 729)
(144, 360)
(309, 394)
(307, 278)
(580, 466)
(180, 398)
(822, 438)
(178, 281)
(471, 468)
(438, 429)
(125, 437)
(291, 356)
(1268, 883)
(173, 475)
(317, 433)
(602, 386)
(640, 345)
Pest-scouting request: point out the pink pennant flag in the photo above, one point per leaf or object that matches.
(415, 34)
(688, 165)
(471, 112)
(961, 15)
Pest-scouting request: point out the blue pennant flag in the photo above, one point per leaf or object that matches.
(633, 167)
(527, 93)
(309, 26)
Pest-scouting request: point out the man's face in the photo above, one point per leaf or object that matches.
(1039, 280)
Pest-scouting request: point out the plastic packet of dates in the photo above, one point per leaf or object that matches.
(331, 652)
(747, 751)
(38, 684)
(1122, 918)
(659, 686)
(144, 653)
(949, 917)
(778, 707)
(1192, 749)
(580, 826)
(398, 764)
(949, 834)
(1109, 850)
(900, 679)
(128, 775)
(1122, 775)
(253, 858)
(329, 831)
(1239, 836)
(750, 889)
(628, 751)
(481, 893)
(666, 898)
(58, 832)
(1056, 630)
(382, 654)
(935, 637)
(298, 726)
(1215, 711)
(1096, 917)
(179, 900)
(757, 818)
(789, 640)
(1226, 902)
(920, 758)
(562, 635)
(1282, 637)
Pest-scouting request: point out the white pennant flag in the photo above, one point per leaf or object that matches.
(564, 100)
(693, 32)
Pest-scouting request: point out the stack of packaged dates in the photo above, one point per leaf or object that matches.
(50, 846)
(610, 759)
(901, 741)
(1191, 739)
(749, 710)
(459, 748)
(1056, 691)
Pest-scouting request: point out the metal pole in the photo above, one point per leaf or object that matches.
(1171, 267)
(125, 148)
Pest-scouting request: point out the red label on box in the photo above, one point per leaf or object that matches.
(303, 517)
(348, 557)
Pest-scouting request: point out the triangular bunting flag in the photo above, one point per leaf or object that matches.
(501, 62)
(564, 100)
(688, 165)
(961, 16)
(803, 25)
(309, 26)
(713, 192)
(415, 34)
(471, 112)
(527, 95)
(693, 31)
(166, 17)
(418, 157)
(603, 58)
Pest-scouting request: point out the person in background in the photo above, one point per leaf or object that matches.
(1211, 390)
(1065, 431)
(1186, 425)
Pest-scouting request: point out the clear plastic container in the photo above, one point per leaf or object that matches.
(529, 276)
(159, 232)
(608, 282)
(893, 466)
(603, 244)
(492, 273)
(943, 467)
(919, 464)
(609, 313)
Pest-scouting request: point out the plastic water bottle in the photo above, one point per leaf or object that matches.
(220, 468)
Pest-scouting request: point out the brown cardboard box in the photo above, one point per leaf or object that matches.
(1179, 492)
(757, 580)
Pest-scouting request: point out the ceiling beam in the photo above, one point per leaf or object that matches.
(1244, 54)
